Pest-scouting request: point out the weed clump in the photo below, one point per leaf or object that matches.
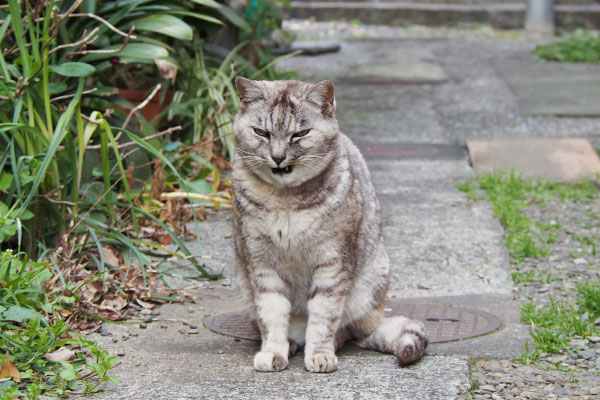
(581, 46)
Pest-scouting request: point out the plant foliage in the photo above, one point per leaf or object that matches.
(580, 46)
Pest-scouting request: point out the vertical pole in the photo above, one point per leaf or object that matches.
(540, 16)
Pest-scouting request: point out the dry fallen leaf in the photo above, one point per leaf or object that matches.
(114, 303)
(9, 369)
(167, 69)
(62, 354)
(165, 240)
(144, 304)
(110, 258)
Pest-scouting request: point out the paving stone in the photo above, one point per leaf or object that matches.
(546, 88)
(561, 160)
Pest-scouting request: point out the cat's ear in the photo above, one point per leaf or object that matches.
(322, 96)
(249, 90)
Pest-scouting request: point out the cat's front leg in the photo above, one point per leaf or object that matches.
(325, 310)
(273, 311)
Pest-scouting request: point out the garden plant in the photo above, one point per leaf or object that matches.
(94, 196)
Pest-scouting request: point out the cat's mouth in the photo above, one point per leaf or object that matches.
(282, 171)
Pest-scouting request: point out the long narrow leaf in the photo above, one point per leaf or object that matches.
(59, 134)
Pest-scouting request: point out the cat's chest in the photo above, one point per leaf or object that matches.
(289, 229)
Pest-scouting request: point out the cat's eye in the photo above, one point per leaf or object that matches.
(301, 133)
(261, 133)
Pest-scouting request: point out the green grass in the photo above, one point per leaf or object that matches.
(581, 46)
(509, 193)
(552, 327)
(588, 299)
(520, 277)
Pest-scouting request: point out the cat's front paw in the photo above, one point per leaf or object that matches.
(266, 361)
(321, 362)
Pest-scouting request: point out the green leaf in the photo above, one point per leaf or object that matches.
(74, 68)
(234, 18)
(207, 3)
(203, 17)
(6, 180)
(67, 372)
(5, 385)
(142, 51)
(3, 209)
(25, 215)
(57, 87)
(20, 314)
(198, 186)
(166, 25)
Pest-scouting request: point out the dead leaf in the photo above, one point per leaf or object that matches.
(62, 354)
(9, 369)
(110, 257)
(95, 286)
(165, 240)
(167, 69)
(114, 303)
(158, 180)
(144, 304)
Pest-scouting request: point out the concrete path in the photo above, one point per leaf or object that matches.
(443, 248)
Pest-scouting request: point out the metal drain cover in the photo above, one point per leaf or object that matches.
(444, 323)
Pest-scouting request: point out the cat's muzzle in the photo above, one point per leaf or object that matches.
(281, 171)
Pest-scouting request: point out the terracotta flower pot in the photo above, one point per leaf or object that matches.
(154, 106)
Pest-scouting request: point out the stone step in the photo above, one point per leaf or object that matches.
(499, 15)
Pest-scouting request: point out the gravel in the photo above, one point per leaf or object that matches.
(573, 375)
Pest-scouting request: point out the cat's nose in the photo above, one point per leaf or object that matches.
(278, 159)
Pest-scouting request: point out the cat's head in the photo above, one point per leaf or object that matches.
(285, 131)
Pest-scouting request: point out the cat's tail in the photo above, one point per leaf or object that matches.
(403, 337)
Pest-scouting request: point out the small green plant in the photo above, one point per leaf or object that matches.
(470, 188)
(529, 355)
(509, 193)
(553, 327)
(47, 357)
(587, 241)
(549, 226)
(520, 277)
(580, 46)
(588, 299)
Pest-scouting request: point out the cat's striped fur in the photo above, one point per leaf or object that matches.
(310, 258)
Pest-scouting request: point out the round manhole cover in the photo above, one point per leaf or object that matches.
(443, 323)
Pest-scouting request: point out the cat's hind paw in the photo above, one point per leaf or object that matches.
(411, 344)
(266, 361)
(321, 362)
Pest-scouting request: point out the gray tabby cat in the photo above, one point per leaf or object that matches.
(309, 250)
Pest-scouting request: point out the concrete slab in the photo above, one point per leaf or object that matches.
(549, 88)
(562, 160)
(439, 243)
(160, 363)
(387, 114)
(389, 61)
